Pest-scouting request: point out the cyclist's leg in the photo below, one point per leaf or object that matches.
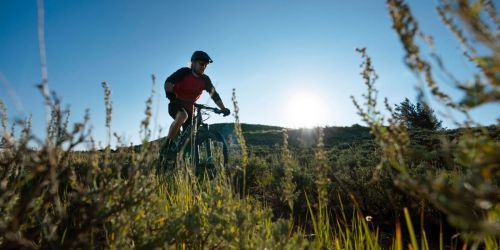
(188, 121)
(166, 159)
(180, 116)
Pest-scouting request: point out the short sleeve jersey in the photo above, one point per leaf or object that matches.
(188, 88)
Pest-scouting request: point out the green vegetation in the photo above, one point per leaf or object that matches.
(418, 116)
(297, 195)
(323, 188)
(467, 186)
(55, 197)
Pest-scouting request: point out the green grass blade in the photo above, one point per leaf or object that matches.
(409, 225)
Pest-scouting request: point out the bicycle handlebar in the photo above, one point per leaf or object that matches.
(201, 106)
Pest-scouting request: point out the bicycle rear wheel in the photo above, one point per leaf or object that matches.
(211, 153)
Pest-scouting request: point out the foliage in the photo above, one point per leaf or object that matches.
(283, 189)
(56, 197)
(52, 197)
(469, 192)
(114, 199)
(418, 116)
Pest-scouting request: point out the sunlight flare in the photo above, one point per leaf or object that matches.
(306, 109)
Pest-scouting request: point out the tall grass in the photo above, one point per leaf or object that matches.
(469, 196)
(55, 197)
(241, 141)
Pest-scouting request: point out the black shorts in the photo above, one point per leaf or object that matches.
(174, 108)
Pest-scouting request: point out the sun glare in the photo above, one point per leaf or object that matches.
(305, 110)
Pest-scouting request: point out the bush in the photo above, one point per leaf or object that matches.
(468, 193)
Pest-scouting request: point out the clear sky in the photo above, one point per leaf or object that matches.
(283, 57)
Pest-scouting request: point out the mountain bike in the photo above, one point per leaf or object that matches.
(197, 145)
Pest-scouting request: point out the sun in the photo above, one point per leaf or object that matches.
(305, 109)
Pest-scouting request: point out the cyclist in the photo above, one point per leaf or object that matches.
(184, 87)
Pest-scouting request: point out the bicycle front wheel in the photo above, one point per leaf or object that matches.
(211, 153)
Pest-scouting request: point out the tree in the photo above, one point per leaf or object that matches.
(417, 116)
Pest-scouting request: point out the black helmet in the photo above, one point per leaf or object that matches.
(202, 56)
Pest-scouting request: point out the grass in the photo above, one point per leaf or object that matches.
(52, 196)
(56, 197)
(114, 199)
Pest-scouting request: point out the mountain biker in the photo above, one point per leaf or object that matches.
(184, 87)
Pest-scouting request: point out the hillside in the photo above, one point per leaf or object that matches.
(263, 135)
(257, 135)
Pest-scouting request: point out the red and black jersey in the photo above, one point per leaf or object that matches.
(188, 87)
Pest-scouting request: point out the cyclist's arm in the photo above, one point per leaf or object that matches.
(220, 104)
(209, 87)
(169, 87)
(169, 91)
(173, 79)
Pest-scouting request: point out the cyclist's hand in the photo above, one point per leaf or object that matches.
(226, 112)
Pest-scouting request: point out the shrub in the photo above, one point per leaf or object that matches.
(468, 194)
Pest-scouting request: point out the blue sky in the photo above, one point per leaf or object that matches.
(274, 53)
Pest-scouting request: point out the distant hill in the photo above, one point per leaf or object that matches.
(342, 137)
(263, 135)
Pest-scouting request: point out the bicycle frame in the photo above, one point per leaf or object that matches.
(198, 124)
